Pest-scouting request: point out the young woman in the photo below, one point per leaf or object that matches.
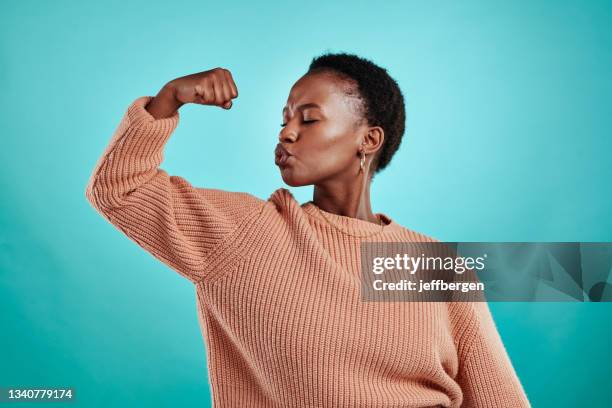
(278, 282)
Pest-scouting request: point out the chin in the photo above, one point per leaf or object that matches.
(293, 180)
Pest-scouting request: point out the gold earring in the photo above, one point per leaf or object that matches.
(362, 162)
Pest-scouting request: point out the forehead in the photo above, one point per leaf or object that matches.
(322, 89)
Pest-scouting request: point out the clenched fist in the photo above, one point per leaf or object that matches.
(212, 87)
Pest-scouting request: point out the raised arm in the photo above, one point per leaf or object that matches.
(179, 224)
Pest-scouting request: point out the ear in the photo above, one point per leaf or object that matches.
(373, 140)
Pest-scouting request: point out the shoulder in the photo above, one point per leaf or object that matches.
(281, 198)
(282, 201)
(282, 209)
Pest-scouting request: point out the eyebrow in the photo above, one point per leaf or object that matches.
(304, 106)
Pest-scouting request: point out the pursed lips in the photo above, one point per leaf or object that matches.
(281, 155)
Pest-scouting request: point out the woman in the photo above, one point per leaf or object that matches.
(277, 281)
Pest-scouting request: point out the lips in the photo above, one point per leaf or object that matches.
(281, 155)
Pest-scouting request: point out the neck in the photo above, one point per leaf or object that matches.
(349, 200)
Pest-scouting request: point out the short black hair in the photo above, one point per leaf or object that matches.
(382, 99)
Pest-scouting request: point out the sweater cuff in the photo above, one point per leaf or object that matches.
(139, 117)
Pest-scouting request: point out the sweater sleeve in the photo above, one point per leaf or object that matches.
(179, 224)
(486, 375)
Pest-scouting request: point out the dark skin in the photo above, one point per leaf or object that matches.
(325, 141)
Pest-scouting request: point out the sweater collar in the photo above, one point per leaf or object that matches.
(350, 225)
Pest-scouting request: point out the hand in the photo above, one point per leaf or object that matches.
(212, 87)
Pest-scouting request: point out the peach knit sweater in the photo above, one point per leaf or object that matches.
(278, 293)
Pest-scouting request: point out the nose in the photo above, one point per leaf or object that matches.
(287, 135)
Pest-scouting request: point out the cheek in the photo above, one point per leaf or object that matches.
(331, 150)
(333, 158)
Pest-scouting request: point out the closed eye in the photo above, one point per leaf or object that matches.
(306, 121)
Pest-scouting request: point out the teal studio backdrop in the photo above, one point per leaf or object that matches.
(509, 111)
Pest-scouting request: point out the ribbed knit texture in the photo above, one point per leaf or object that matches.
(278, 293)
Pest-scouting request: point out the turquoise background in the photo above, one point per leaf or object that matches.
(509, 110)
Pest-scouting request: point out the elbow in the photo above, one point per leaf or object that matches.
(92, 197)
(88, 191)
(98, 198)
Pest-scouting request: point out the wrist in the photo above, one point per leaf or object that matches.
(168, 95)
(164, 104)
